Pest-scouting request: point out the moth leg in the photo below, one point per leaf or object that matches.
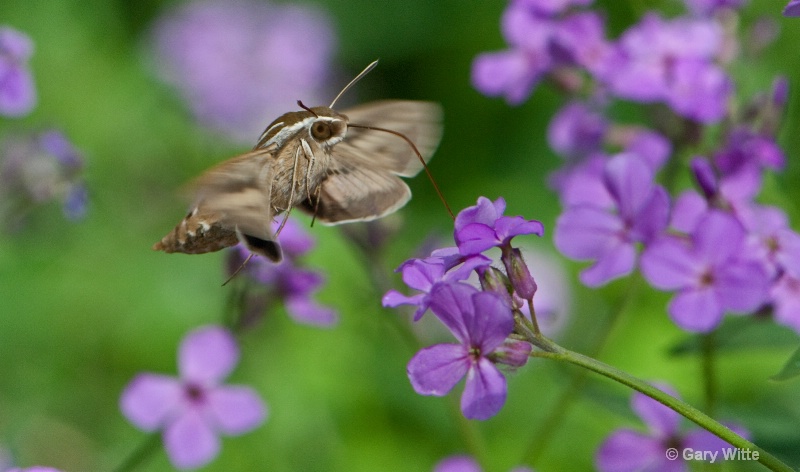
(316, 203)
(311, 159)
(291, 193)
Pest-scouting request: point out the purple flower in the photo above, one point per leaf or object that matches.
(539, 41)
(461, 463)
(37, 468)
(481, 322)
(38, 169)
(286, 281)
(483, 226)
(241, 64)
(771, 241)
(193, 410)
(551, 7)
(711, 274)
(610, 235)
(708, 7)
(674, 62)
(785, 295)
(746, 150)
(628, 450)
(792, 8)
(576, 131)
(17, 92)
(424, 274)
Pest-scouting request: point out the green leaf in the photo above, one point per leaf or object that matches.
(791, 369)
(739, 334)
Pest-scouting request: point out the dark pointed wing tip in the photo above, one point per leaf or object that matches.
(158, 246)
(269, 249)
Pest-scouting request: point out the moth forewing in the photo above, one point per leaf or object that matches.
(230, 204)
(419, 121)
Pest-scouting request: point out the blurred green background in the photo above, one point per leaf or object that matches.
(85, 306)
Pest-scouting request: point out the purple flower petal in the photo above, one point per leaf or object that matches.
(457, 464)
(688, 209)
(33, 469)
(464, 271)
(718, 237)
(485, 212)
(651, 220)
(475, 238)
(742, 286)
(17, 92)
(490, 322)
(190, 442)
(207, 355)
(651, 146)
(616, 261)
(484, 391)
(696, 310)
(785, 295)
(452, 303)
(507, 227)
(668, 264)
(792, 8)
(307, 311)
(149, 400)
(662, 421)
(576, 130)
(435, 370)
(512, 73)
(586, 232)
(393, 299)
(236, 410)
(422, 274)
(630, 451)
(630, 182)
(702, 440)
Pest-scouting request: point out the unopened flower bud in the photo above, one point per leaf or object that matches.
(518, 274)
(512, 353)
(493, 280)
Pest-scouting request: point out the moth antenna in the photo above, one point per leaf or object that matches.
(352, 82)
(421, 160)
(301, 105)
(236, 272)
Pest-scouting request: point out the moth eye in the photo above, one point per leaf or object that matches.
(321, 130)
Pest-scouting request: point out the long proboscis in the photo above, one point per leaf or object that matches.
(353, 82)
(419, 155)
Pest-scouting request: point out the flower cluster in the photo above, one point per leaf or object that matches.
(286, 282)
(38, 169)
(616, 214)
(241, 64)
(628, 450)
(193, 410)
(481, 321)
(17, 92)
(466, 464)
(542, 36)
(677, 62)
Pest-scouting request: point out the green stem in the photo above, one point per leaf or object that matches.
(551, 350)
(555, 415)
(141, 453)
(709, 373)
